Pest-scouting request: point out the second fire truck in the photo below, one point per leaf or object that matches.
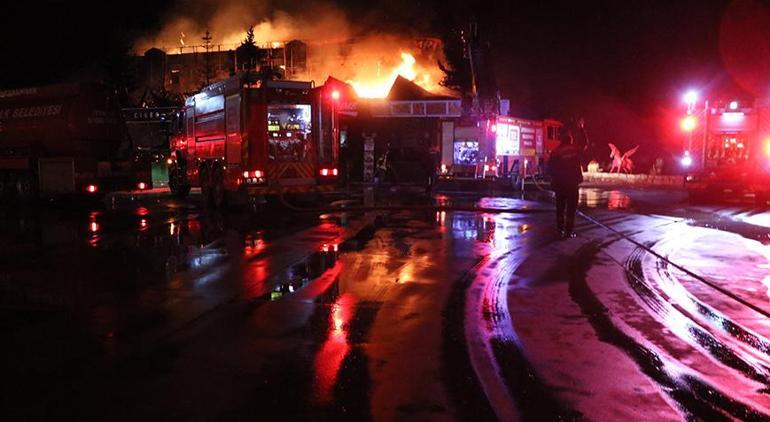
(254, 136)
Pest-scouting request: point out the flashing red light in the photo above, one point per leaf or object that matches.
(493, 128)
(245, 174)
(142, 186)
(94, 227)
(324, 172)
(91, 188)
(335, 172)
(258, 173)
(493, 168)
(335, 95)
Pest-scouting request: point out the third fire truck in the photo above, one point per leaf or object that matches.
(729, 152)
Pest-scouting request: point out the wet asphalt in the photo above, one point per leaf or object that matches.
(161, 309)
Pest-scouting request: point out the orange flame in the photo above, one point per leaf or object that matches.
(379, 86)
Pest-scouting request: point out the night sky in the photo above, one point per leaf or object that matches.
(621, 64)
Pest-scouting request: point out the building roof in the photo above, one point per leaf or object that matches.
(406, 90)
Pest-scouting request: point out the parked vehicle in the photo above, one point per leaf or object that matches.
(245, 135)
(63, 139)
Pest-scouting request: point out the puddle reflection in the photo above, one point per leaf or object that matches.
(499, 230)
(599, 198)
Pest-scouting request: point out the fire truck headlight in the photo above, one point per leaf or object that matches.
(258, 174)
(688, 123)
(686, 161)
(335, 172)
(690, 97)
(245, 174)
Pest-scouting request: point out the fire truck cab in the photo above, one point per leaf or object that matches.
(255, 136)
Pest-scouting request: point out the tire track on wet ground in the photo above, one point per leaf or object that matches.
(695, 397)
(498, 358)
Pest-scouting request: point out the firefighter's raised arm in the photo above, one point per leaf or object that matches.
(581, 124)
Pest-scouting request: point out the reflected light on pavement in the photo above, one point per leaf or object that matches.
(93, 227)
(762, 219)
(333, 351)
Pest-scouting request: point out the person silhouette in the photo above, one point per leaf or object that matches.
(564, 166)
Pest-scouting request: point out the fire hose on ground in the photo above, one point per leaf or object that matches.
(649, 250)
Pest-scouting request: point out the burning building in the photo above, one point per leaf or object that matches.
(186, 69)
(388, 99)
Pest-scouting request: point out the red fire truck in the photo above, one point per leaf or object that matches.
(730, 151)
(254, 136)
(496, 147)
(63, 139)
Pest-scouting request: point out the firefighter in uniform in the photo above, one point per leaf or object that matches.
(564, 166)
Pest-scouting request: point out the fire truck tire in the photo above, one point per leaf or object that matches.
(178, 183)
(26, 187)
(203, 177)
(217, 187)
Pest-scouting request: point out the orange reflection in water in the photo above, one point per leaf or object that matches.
(333, 351)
